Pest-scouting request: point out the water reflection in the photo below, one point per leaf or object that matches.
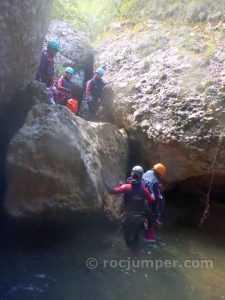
(50, 263)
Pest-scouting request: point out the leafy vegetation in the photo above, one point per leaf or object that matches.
(210, 48)
(89, 16)
(59, 70)
(93, 16)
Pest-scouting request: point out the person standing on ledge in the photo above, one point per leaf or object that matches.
(46, 69)
(64, 87)
(93, 96)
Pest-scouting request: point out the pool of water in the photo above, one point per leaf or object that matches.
(61, 265)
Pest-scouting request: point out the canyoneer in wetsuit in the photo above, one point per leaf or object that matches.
(64, 86)
(46, 69)
(136, 200)
(93, 96)
(152, 180)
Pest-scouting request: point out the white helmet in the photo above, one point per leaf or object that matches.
(138, 171)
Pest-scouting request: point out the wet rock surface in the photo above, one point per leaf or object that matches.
(167, 95)
(56, 162)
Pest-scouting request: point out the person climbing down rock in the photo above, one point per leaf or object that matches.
(63, 87)
(46, 70)
(151, 180)
(136, 200)
(93, 96)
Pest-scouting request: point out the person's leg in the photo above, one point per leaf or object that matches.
(160, 209)
(150, 234)
(131, 229)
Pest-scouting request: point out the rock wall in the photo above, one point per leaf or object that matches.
(23, 25)
(167, 90)
(56, 162)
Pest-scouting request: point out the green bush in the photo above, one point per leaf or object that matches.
(90, 16)
(93, 16)
(59, 70)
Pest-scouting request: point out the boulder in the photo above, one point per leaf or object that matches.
(164, 111)
(57, 161)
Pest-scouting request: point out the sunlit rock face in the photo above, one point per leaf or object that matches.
(57, 162)
(170, 101)
(23, 25)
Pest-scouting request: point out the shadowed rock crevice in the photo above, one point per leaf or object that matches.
(187, 202)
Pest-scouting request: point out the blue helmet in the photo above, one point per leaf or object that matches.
(100, 71)
(54, 45)
(69, 70)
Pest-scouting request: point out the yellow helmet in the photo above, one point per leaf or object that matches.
(160, 168)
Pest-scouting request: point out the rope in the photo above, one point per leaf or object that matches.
(212, 169)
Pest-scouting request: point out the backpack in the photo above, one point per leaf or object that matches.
(72, 105)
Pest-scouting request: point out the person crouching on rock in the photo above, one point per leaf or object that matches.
(136, 200)
(152, 181)
(46, 69)
(93, 96)
(63, 86)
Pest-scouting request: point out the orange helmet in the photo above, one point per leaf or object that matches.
(160, 168)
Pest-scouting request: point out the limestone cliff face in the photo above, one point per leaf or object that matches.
(57, 162)
(23, 25)
(166, 87)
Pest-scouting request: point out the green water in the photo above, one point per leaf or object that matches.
(53, 266)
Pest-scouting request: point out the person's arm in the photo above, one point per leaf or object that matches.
(150, 197)
(122, 189)
(60, 85)
(101, 92)
(42, 67)
(88, 89)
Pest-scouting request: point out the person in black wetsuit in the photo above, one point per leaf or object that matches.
(64, 86)
(136, 200)
(93, 96)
